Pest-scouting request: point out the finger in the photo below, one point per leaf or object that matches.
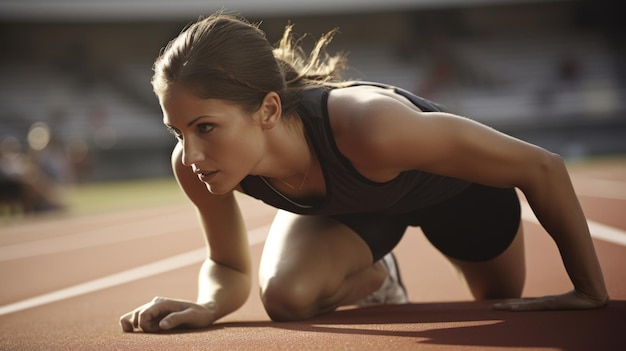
(177, 319)
(168, 323)
(148, 319)
(507, 306)
(126, 322)
(134, 320)
(512, 305)
(534, 304)
(126, 325)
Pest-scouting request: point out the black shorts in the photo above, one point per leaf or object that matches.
(477, 225)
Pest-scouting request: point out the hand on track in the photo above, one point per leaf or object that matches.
(572, 300)
(162, 314)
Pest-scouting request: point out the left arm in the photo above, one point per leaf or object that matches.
(453, 146)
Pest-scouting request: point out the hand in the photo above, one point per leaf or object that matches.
(164, 314)
(572, 300)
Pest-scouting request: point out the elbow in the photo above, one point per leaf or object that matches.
(549, 164)
(544, 168)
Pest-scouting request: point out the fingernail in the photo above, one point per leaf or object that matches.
(164, 324)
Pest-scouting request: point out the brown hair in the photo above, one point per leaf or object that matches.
(226, 57)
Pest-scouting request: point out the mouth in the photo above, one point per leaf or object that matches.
(206, 176)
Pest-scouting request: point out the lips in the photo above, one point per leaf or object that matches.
(203, 175)
(206, 176)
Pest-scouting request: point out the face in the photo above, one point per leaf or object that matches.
(221, 142)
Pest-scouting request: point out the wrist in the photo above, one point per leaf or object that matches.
(596, 300)
(211, 306)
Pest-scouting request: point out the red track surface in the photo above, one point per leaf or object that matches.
(45, 256)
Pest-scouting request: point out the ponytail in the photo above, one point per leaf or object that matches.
(226, 57)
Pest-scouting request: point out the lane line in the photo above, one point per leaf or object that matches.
(256, 236)
(599, 188)
(598, 230)
(105, 235)
(189, 258)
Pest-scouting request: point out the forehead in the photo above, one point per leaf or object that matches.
(180, 105)
(177, 94)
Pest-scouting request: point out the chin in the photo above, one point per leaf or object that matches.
(218, 190)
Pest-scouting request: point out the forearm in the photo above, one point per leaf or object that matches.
(556, 206)
(221, 288)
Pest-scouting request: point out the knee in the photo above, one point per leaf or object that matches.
(505, 289)
(289, 299)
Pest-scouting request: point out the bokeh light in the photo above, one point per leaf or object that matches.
(38, 136)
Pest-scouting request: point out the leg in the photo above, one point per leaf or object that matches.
(312, 265)
(484, 240)
(500, 277)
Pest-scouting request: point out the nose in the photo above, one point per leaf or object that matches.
(192, 153)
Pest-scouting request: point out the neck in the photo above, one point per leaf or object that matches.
(290, 155)
(304, 179)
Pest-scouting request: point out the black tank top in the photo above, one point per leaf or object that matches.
(347, 191)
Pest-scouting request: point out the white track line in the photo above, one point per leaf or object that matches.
(104, 235)
(600, 188)
(256, 236)
(598, 230)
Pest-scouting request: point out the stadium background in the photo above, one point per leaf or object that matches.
(74, 75)
(75, 92)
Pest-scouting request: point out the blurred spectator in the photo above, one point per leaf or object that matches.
(568, 72)
(569, 69)
(24, 187)
(443, 70)
(80, 159)
(14, 194)
(53, 162)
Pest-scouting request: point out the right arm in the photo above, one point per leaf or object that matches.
(225, 277)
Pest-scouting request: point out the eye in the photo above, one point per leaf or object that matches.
(204, 128)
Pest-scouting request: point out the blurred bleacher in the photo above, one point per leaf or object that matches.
(559, 86)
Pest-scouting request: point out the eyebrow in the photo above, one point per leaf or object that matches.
(189, 123)
(195, 119)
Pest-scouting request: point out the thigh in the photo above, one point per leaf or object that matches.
(477, 225)
(320, 250)
(481, 234)
(500, 277)
(381, 232)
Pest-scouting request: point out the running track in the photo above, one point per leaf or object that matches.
(66, 281)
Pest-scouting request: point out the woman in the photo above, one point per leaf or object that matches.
(350, 165)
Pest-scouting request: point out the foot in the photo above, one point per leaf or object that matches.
(391, 291)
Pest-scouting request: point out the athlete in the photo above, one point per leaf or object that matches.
(350, 165)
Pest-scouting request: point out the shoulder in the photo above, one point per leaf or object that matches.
(369, 112)
(360, 106)
(365, 121)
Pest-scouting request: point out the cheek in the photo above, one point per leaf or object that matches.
(243, 152)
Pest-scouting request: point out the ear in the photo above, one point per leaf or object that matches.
(270, 110)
